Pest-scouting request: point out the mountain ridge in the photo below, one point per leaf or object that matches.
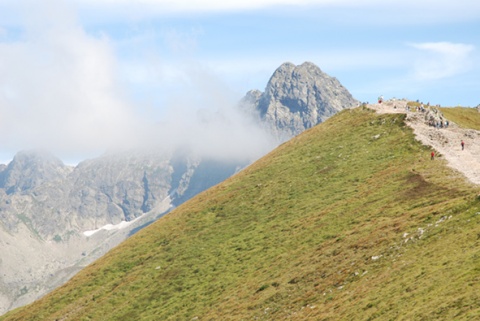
(349, 220)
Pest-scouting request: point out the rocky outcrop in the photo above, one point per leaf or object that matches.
(30, 169)
(297, 98)
(434, 117)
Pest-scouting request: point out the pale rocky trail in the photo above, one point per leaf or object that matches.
(445, 141)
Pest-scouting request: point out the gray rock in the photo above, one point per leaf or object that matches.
(30, 169)
(297, 98)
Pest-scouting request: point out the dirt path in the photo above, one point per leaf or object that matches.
(445, 141)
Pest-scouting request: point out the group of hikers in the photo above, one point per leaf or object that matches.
(433, 117)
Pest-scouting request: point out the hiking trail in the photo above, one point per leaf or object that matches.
(445, 141)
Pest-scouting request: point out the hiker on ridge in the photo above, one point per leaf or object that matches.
(432, 155)
(463, 144)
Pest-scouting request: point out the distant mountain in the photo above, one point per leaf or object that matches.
(56, 219)
(31, 169)
(49, 208)
(297, 98)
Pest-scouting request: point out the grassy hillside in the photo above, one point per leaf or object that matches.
(463, 116)
(349, 221)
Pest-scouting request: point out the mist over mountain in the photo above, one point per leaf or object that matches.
(71, 215)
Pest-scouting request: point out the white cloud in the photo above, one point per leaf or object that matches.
(393, 9)
(438, 60)
(239, 4)
(204, 118)
(168, 6)
(57, 87)
(393, 12)
(59, 91)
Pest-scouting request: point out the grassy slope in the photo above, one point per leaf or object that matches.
(463, 116)
(293, 236)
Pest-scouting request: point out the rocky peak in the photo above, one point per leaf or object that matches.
(29, 169)
(297, 98)
(283, 71)
(252, 96)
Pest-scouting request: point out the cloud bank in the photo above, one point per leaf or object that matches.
(60, 91)
(57, 87)
(214, 5)
(392, 11)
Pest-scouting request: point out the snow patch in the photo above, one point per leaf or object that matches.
(161, 208)
(109, 227)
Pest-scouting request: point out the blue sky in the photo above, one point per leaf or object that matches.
(81, 77)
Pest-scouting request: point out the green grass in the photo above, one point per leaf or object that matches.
(463, 116)
(349, 221)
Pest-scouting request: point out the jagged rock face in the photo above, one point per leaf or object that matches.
(297, 98)
(56, 200)
(30, 169)
(119, 187)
